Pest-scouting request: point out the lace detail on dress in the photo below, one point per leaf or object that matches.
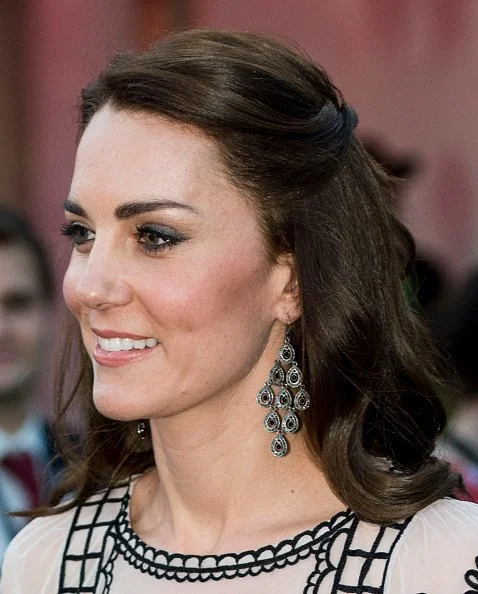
(343, 566)
(347, 560)
(471, 579)
(87, 563)
(192, 568)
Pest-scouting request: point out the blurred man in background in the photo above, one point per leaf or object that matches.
(25, 328)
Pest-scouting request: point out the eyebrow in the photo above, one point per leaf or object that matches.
(129, 210)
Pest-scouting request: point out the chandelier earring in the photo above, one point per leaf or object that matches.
(283, 391)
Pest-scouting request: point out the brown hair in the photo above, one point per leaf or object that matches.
(286, 138)
(15, 230)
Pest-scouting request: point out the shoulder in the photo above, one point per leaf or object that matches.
(438, 550)
(39, 533)
(446, 521)
(41, 546)
(33, 557)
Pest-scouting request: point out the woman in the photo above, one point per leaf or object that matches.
(260, 401)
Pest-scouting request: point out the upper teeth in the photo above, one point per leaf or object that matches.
(125, 344)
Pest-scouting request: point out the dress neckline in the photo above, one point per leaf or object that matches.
(187, 567)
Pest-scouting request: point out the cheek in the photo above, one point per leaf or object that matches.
(69, 290)
(207, 293)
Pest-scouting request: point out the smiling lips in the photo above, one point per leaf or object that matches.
(114, 351)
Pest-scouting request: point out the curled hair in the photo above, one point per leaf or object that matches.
(286, 139)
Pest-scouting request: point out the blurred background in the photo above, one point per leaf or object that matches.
(407, 66)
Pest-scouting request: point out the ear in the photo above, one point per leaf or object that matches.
(288, 308)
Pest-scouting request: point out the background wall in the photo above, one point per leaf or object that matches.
(11, 129)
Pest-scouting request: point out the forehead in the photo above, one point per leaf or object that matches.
(18, 268)
(127, 153)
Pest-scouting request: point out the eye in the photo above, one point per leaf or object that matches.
(156, 238)
(19, 302)
(79, 234)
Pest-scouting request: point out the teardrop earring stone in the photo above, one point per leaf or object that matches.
(302, 400)
(290, 424)
(294, 377)
(287, 354)
(284, 398)
(276, 375)
(265, 396)
(279, 446)
(272, 422)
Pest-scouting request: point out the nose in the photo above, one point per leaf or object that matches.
(101, 283)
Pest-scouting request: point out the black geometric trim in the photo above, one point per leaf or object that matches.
(106, 571)
(101, 531)
(471, 579)
(193, 568)
(331, 575)
(67, 546)
(86, 566)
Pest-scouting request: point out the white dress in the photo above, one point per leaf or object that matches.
(93, 549)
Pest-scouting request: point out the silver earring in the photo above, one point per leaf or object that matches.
(283, 390)
(141, 430)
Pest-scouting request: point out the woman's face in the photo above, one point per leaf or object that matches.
(169, 277)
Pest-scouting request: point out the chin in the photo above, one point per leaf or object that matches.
(117, 405)
(122, 404)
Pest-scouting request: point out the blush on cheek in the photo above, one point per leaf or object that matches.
(243, 282)
(208, 294)
(232, 297)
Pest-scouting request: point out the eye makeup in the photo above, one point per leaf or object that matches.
(152, 238)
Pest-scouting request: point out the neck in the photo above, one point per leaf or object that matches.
(213, 465)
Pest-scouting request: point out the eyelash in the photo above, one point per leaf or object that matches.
(169, 237)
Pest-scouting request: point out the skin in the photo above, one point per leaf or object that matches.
(218, 308)
(24, 317)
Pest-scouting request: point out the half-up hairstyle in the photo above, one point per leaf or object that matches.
(287, 142)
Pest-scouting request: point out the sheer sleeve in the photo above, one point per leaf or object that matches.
(33, 558)
(438, 554)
